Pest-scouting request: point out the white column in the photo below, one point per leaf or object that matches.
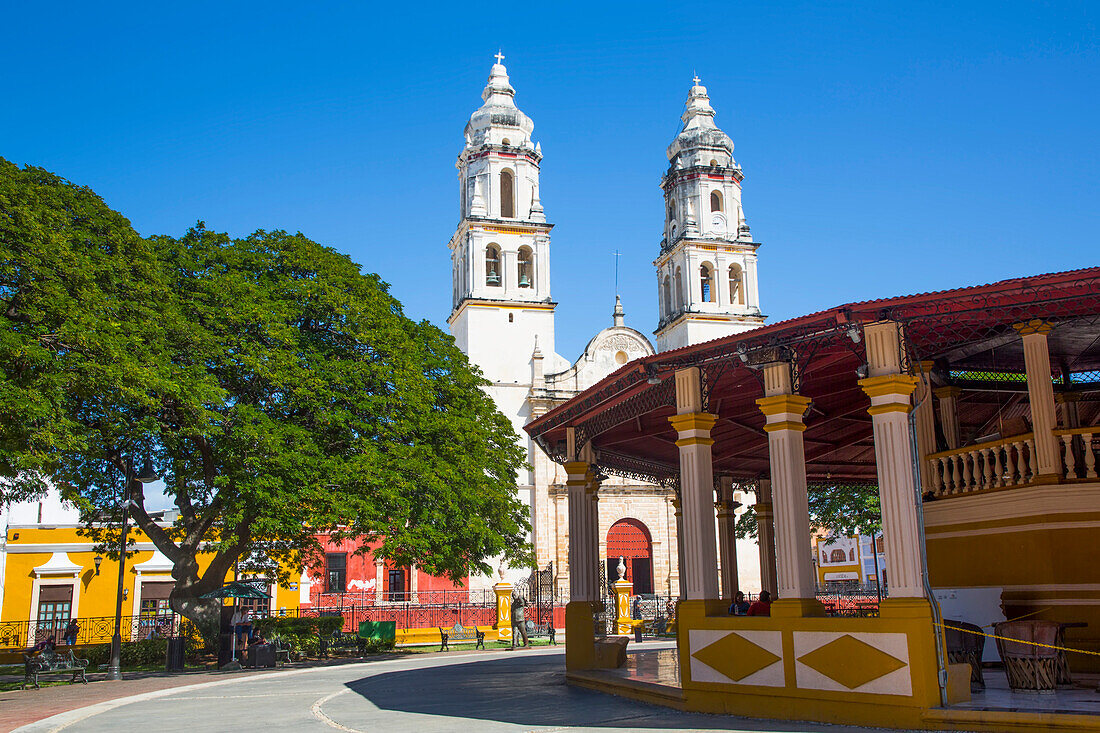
(699, 563)
(765, 536)
(413, 572)
(890, 393)
(783, 413)
(949, 414)
(727, 537)
(926, 427)
(592, 494)
(582, 561)
(1040, 395)
(379, 569)
(679, 517)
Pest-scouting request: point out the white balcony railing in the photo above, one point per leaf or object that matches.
(1005, 462)
(1078, 451)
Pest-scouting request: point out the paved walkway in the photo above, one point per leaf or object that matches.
(467, 692)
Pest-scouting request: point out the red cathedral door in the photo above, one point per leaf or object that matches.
(630, 540)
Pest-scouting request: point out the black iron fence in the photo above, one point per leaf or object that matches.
(92, 630)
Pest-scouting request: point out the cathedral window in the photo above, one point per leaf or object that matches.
(737, 288)
(715, 201)
(666, 295)
(526, 268)
(706, 279)
(507, 194)
(492, 266)
(671, 210)
(679, 288)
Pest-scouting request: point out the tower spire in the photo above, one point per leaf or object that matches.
(618, 318)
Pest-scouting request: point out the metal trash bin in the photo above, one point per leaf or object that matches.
(174, 660)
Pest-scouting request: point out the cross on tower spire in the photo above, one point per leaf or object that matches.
(696, 79)
(499, 56)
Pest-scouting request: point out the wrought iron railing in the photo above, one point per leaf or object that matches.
(93, 630)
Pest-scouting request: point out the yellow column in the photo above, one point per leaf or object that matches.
(783, 413)
(504, 610)
(1040, 395)
(624, 589)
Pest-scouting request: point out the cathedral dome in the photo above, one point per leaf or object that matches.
(699, 130)
(499, 112)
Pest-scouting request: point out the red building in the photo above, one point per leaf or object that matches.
(349, 575)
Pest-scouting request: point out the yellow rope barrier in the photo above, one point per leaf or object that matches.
(1020, 641)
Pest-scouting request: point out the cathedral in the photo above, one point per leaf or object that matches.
(503, 316)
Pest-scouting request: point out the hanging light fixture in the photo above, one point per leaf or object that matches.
(98, 560)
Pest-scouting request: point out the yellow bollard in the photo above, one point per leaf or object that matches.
(504, 610)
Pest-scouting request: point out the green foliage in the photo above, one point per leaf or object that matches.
(377, 646)
(299, 625)
(144, 653)
(278, 390)
(836, 508)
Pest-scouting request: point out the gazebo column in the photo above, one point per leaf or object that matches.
(579, 613)
(1040, 395)
(727, 537)
(592, 493)
(890, 391)
(678, 513)
(1071, 416)
(698, 565)
(765, 535)
(783, 412)
(926, 426)
(949, 414)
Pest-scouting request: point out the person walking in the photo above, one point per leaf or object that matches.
(519, 621)
(72, 631)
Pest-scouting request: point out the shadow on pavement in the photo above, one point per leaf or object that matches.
(529, 691)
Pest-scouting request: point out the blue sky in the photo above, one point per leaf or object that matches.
(887, 149)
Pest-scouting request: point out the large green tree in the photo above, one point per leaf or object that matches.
(280, 393)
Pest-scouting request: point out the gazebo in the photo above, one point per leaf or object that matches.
(973, 411)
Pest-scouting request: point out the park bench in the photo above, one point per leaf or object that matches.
(535, 630)
(458, 632)
(343, 640)
(48, 663)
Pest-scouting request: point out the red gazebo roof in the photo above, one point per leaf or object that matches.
(967, 332)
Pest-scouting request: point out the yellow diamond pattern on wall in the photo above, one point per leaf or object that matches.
(735, 656)
(851, 662)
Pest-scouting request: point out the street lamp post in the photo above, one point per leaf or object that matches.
(114, 669)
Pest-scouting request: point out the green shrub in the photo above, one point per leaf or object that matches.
(374, 646)
(146, 652)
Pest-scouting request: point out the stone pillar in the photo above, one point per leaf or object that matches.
(890, 393)
(623, 590)
(765, 536)
(379, 580)
(1040, 395)
(504, 610)
(727, 537)
(699, 564)
(783, 411)
(925, 418)
(413, 596)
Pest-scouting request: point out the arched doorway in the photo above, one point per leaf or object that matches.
(630, 540)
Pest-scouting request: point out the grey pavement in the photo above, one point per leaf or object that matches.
(523, 690)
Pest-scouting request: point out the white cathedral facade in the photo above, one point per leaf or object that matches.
(503, 315)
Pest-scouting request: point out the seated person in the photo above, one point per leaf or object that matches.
(740, 606)
(46, 645)
(762, 606)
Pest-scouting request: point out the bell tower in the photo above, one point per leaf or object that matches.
(706, 270)
(500, 252)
